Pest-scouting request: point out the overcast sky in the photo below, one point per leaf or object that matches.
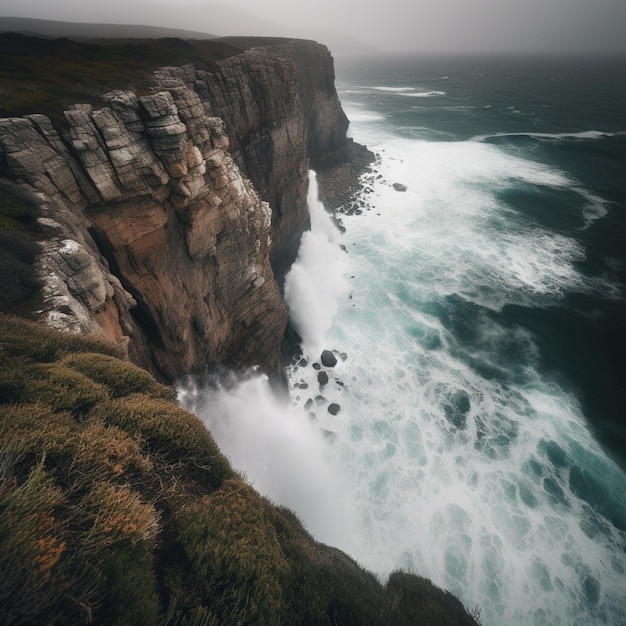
(419, 25)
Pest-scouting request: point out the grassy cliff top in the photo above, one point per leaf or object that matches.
(40, 75)
(116, 507)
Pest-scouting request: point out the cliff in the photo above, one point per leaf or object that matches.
(167, 216)
(158, 220)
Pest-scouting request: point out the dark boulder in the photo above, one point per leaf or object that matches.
(328, 359)
(334, 408)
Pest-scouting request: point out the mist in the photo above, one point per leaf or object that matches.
(426, 26)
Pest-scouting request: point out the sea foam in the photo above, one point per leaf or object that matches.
(466, 463)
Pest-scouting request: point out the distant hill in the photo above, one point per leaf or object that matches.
(80, 30)
(93, 20)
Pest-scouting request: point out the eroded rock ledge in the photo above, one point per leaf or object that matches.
(168, 216)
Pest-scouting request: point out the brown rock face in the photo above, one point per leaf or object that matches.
(154, 236)
(283, 117)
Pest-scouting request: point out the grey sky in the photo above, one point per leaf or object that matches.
(438, 26)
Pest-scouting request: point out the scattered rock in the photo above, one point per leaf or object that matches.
(328, 359)
(334, 408)
(317, 366)
(399, 187)
(322, 378)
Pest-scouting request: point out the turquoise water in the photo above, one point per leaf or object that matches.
(479, 323)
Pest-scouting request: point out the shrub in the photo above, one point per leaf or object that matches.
(18, 279)
(418, 596)
(37, 431)
(63, 389)
(31, 545)
(231, 547)
(119, 377)
(171, 433)
(131, 508)
(33, 342)
(19, 282)
(17, 212)
(109, 453)
(75, 557)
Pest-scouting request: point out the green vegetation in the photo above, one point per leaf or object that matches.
(47, 75)
(117, 508)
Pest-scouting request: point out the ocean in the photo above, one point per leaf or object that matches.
(473, 429)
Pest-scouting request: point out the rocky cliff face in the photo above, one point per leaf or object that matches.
(155, 235)
(283, 115)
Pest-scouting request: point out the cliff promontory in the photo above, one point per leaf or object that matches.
(150, 211)
(169, 216)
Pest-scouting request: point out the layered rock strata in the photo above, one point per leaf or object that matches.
(153, 236)
(283, 117)
(168, 216)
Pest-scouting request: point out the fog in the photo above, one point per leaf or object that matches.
(425, 26)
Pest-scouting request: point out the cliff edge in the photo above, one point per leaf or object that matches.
(169, 216)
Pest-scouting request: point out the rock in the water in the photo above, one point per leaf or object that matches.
(334, 408)
(328, 359)
(399, 187)
(322, 378)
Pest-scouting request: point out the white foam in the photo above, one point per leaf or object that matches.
(585, 135)
(395, 89)
(462, 507)
(483, 510)
(451, 225)
(425, 94)
(358, 116)
(315, 281)
(411, 92)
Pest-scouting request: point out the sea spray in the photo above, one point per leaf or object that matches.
(316, 280)
(277, 446)
(278, 449)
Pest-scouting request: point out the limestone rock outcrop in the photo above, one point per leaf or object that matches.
(168, 216)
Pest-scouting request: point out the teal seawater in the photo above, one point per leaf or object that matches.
(563, 113)
(482, 399)
(473, 428)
